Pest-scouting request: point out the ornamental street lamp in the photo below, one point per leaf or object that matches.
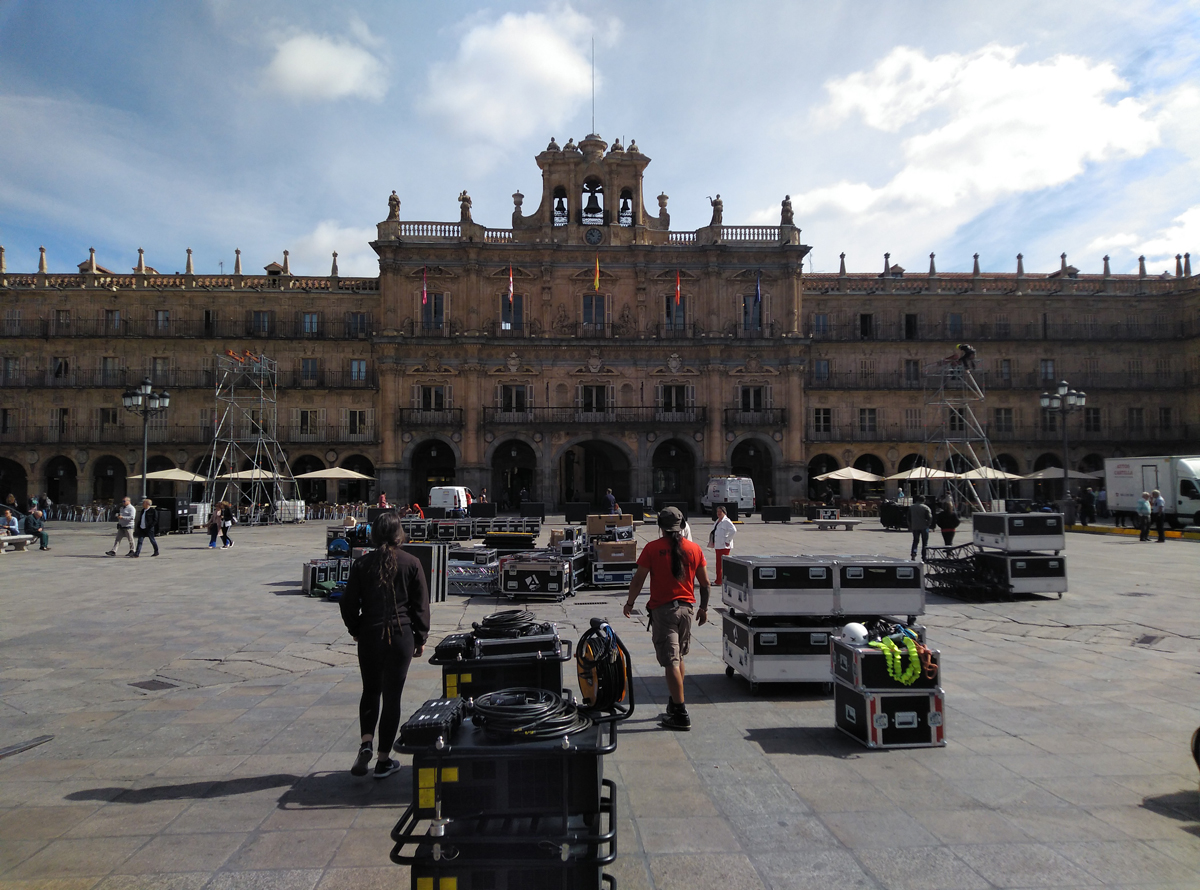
(146, 403)
(1062, 402)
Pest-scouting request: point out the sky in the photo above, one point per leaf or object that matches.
(909, 128)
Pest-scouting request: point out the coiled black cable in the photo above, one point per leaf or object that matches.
(525, 714)
(509, 623)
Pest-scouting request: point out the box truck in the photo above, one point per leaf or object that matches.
(1178, 478)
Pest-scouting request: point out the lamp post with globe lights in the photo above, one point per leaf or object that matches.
(1062, 402)
(146, 403)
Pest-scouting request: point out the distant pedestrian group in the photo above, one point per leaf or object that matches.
(220, 521)
(131, 523)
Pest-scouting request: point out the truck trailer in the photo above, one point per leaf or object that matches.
(1178, 478)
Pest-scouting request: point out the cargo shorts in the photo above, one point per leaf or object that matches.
(671, 631)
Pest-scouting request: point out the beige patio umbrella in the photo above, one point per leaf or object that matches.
(170, 476)
(250, 475)
(923, 473)
(989, 473)
(849, 473)
(334, 473)
(1057, 473)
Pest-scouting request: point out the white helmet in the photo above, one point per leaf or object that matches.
(855, 634)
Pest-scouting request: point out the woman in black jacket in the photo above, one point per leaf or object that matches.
(947, 520)
(386, 609)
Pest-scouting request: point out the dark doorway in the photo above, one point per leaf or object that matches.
(13, 481)
(311, 490)
(62, 483)
(158, 488)
(108, 481)
(752, 458)
(819, 466)
(674, 468)
(589, 469)
(433, 464)
(869, 463)
(514, 469)
(359, 491)
(910, 462)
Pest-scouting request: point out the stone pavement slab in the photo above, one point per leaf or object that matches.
(1067, 764)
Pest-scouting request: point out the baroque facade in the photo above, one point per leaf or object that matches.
(588, 346)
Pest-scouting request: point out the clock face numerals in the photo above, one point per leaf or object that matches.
(593, 236)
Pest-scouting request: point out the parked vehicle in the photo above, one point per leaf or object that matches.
(454, 499)
(1178, 478)
(730, 490)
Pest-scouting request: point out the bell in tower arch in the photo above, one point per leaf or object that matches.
(593, 205)
(560, 206)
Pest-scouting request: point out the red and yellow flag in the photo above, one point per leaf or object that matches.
(676, 287)
(596, 280)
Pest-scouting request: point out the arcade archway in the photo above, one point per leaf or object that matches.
(869, 463)
(514, 470)
(156, 488)
(359, 491)
(108, 481)
(587, 470)
(819, 466)
(62, 482)
(674, 473)
(752, 457)
(13, 481)
(433, 463)
(911, 461)
(311, 490)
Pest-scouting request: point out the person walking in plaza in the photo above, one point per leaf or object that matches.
(1087, 506)
(1143, 516)
(920, 518)
(213, 526)
(675, 566)
(227, 520)
(612, 501)
(146, 527)
(720, 539)
(125, 518)
(386, 610)
(1158, 511)
(947, 521)
(34, 525)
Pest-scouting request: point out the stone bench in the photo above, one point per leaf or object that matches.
(826, 524)
(19, 543)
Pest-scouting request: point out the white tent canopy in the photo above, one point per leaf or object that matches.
(988, 473)
(251, 476)
(1057, 473)
(919, 473)
(170, 476)
(849, 473)
(334, 473)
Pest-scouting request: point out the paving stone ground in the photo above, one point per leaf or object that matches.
(1067, 765)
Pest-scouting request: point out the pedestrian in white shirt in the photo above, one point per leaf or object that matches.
(721, 538)
(124, 527)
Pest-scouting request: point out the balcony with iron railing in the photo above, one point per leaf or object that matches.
(739, 418)
(634, 416)
(327, 434)
(851, 329)
(270, 328)
(437, 417)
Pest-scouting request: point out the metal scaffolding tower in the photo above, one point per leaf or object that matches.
(953, 431)
(245, 444)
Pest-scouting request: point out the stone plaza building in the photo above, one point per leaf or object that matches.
(588, 346)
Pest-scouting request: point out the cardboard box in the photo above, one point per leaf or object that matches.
(619, 519)
(556, 536)
(616, 551)
(596, 524)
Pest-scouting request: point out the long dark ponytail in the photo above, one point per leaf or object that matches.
(675, 539)
(387, 535)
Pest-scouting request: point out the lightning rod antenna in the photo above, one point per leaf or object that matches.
(593, 84)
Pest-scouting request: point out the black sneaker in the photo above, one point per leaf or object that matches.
(679, 720)
(362, 761)
(385, 768)
(671, 709)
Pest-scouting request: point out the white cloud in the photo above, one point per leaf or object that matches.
(513, 77)
(313, 67)
(980, 127)
(313, 253)
(1180, 237)
(1114, 242)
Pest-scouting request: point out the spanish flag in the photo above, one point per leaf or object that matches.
(676, 287)
(596, 280)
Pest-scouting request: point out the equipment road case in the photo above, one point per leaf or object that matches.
(1019, 532)
(880, 585)
(1025, 572)
(541, 575)
(865, 668)
(613, 574)
(780, 585)
(472, 570)
(891, 719)
(776, 649)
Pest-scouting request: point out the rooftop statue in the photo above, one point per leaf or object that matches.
(393, 206)
(464, 202)
(718, 207)
(785, 214)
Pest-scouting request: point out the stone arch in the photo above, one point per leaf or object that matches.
(1091, 463)
(673, 472)
(818, 465)
(757, 457)
(870, 463)
(158, 488)
(351, 491)
(911, 461)
(14, 481)
(588, 465)
(514, 465)
(1046, 460)
(434, 461)
(310, 490)
(108, 480)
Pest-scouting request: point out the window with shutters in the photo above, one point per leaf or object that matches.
(210, 322)
(866, 326)
(310, 324)
(1135, 369)
(513, 398)
(1091, 420)
(1003, 327)
(822, 421)
(433, 314)
(1162, 366)
(61, 367)
(674, 398)
(358, 325)
(912, 372)
(593, 399)
(8, 420)
(954, 325)
(512, 313)
(160, 370)
(595, 313)
(1002, 420)
(310, 371)
(751, 398)
(358, 371)
(821, 369)
(1049, 421)
(1165, 418)
(110, 371)
(868, 420)
(60, 420)
(1046, 370)
(1091, 367)
(866, 371)
(752, 314)
(911, 328)
(1131, 325)
(260, 323)
(957, 420)
(432, 398)
(12, 322)
(1137, 420)
(821, 324)
(12, 371)
(675, 314)
(1091, 326)
(62, 320)
(356, 422)
(162, 320)
(913, 419)
(112, 320)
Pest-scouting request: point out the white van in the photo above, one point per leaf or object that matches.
(730, 490)
(449, 498)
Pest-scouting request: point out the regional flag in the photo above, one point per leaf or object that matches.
(676, 287)
(596, 280)
(424, 287)
(758, 289)
(510, 285)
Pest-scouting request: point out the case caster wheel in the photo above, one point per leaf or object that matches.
(827, 688)
(728, 671)
(1060, 595)
(754, 689)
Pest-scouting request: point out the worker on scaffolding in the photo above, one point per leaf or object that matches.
(965, 357)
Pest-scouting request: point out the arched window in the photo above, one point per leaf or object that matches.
(625, 213)
(561, 215)
(593, 207)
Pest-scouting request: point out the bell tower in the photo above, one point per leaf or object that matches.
(591, 194)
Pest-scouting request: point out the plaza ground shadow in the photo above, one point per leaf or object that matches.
(187, 790)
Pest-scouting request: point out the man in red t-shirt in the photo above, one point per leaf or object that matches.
(675, 565)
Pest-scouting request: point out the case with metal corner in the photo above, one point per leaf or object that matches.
(775, 649)
(472, 570)
(865, 668)
(880, 585)
(1025, 572)
(613, 574)
(1019, 532)
(541, 575)
(780, 585)
(891, 719)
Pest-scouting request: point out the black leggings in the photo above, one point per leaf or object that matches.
(383, 664)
